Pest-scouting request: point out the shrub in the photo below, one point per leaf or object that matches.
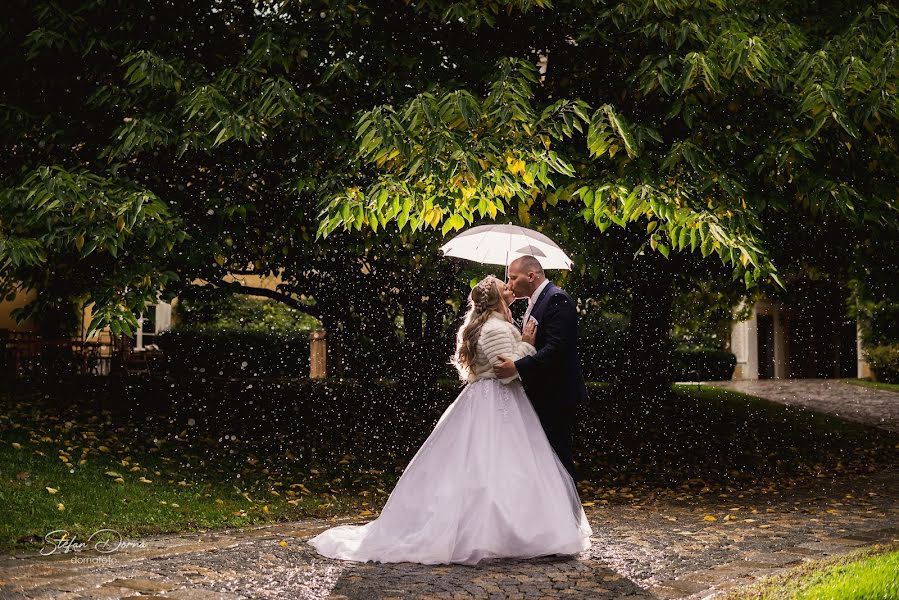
(241, 313)
(705, 364)
(884, 362)
(232, 353)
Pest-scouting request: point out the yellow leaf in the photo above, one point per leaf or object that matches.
(103, 448)
(119, 481)
(18, 446)
(265, 508)
(709, 518)
(52, 490)
(145, 480)
(60, 506)
(283, 544)
(588, 504)
(219, 501)
(175, 504)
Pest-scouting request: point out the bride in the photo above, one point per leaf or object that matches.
(486, 483)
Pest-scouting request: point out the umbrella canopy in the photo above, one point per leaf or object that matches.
(501, 244)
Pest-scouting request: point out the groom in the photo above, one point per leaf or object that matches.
(552, 378)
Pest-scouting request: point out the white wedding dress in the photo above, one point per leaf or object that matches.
(485, 484)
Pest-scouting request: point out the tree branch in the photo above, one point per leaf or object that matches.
(290, 301)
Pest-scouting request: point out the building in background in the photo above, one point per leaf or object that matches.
(780, 341)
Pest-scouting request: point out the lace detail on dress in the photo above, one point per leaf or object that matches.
(504, 399)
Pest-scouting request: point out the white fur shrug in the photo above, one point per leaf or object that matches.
(498, 338)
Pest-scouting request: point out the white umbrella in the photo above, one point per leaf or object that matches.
(501, 244)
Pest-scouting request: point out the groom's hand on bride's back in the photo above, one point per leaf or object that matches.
(504, 368)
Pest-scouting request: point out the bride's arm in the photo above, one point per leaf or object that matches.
(522, 348)
(504, 341)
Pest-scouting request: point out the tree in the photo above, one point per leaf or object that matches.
(229, 129)
(209, 136)
(691, 120)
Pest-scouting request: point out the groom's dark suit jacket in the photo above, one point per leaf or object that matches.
(552, 377)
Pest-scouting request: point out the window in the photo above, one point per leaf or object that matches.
(157, 318)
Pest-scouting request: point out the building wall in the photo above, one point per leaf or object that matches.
(6, 306)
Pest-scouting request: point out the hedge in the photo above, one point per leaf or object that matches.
(235, 353)
(884, 362)
(702, 364)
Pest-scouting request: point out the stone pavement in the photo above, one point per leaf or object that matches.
(654, 549)
(853, 402)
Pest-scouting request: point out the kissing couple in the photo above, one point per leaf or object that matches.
(495, 479)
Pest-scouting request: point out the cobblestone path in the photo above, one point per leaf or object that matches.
(853, 402)
(659, 550)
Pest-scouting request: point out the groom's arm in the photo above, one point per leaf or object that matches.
(559, 326)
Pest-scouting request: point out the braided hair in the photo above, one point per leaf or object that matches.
(484, 298)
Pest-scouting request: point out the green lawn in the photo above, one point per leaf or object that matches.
(93, 473)
(867, 574)
(153, 472)
(890, 387)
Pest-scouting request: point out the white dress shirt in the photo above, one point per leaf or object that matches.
(533, 300)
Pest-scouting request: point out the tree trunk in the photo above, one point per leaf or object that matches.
(646, 365)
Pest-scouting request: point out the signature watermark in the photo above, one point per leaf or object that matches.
(103, 541)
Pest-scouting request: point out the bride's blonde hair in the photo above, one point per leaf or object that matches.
(484, 298)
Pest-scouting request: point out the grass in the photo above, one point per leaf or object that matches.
(82, 471)
(866, 574)
(725, 438)
(136, 494)
(890, 387)
(151, 472)
(744, 406)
